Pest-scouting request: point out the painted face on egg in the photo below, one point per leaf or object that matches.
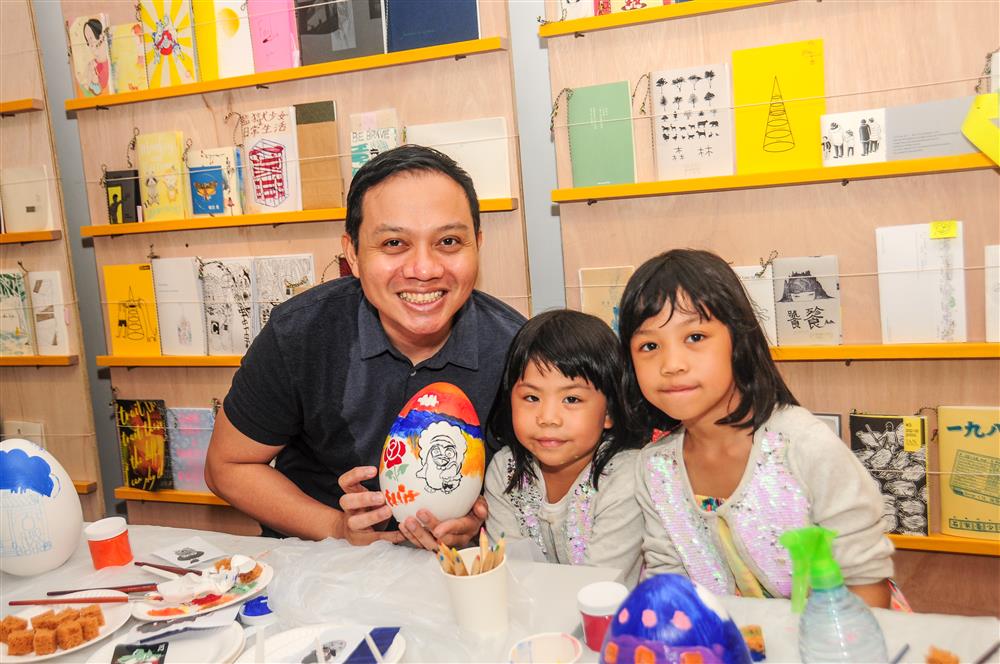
(434, 457)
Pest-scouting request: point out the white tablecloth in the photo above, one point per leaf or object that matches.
(394, 585)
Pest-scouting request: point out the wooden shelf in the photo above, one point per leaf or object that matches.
(266, 219)
(38, 360)
(18, 106)
(170, 496)
(947, 544)
(29, 236)
(83, 487)
(169, 361)
(455, 50)
(966, 162)
(943, 351)
(647, 15)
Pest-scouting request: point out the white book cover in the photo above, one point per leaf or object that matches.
(16, 335)
(27, 198)
(921, 285)
(179, 306)
(479, 146)
(271, 148)
(230, 160)
(227, 290)
(232, 41)
(31, 431)
(807, 301)
(693, 122)
(50, 316)
(853, 138)
(372, 133)
(276, 279)
(993, 292)
(759, 285)
(570, 9)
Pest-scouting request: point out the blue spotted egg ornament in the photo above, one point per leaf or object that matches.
(669, 619)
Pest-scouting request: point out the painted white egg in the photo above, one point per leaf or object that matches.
(434, 457)
(40, 514)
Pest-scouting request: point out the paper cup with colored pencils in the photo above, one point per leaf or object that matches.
(477, 584)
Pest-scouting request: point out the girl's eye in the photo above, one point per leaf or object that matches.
(530, 398)
(696, 337)
(572, 399)
(647, 347)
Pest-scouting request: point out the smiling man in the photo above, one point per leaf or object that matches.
(323, 382)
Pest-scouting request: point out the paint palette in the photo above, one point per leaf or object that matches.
(151, 609)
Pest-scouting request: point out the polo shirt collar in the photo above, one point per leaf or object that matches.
(461, 348)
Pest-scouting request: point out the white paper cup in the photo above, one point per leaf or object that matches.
(550, 648)
(597, 603)
(479, 601)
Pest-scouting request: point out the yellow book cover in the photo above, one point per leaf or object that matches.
(778, 92)
(969, 438)
(128, 63)
(204, 39)
(168, 41)
(132, 322)
(164, 186)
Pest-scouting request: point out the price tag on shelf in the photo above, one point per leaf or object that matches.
(942, 230)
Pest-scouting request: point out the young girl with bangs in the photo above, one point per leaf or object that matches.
(742, 462)
(566, 476)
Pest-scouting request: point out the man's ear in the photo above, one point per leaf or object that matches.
(479, 240)
(349, 253)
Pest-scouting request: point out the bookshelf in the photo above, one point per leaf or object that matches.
(84, 487)
(170, 361)
(30, 236)
(170, 496)
(939, 543)
(17, 106)
(38, 360)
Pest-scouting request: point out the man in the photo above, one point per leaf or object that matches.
(324, 380)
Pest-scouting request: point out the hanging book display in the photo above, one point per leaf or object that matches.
(189, 430)
(222, 35)
(218, 190)
(142, 438)
(88, 42)
(26, 195)
(339, 30)
(807, 301)
(273, 34)
(853, 138)
(570, 9)
(131, 310)
(276, 279)
(128, 61)
(419, 23)
(601, 291)
(319, 166)
(163, 185)
(272, 154)
(168, 38)
(179, 307)
(48, 313)
(969, 448)
(600, 135)
(930, 129)
(479, 146)
(894, 450)
(372, 133)
(122, 190)
(16, 336)
(759, 285)
(228, 293)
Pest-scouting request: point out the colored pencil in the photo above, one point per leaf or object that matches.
(445, 564)
(458, 563)
(501, 548)
(477, 564)
(169, 568)
(484, 544)
(68, 600)
(137, 588)
(489, 563)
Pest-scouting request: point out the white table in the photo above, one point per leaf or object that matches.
(394, 585)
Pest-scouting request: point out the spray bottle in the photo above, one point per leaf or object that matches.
(836, 626)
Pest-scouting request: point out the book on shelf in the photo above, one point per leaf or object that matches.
(272, 155)
(144, 445)
(131, 307)
(930, 129)
(90, 55)
(604, 7)
(600, 135)
(779, 98)
(189, 431)
(277, 279)
(921, 284)
(169, 42)
(122, 190)
(227, 291)
(180, 309)
(128, 59)
(758, 282)
(229, 164)
(339, 30)
(164, 187)
(273, 34)
(31, 431)
(571, 9)
(969, 459)
(420, 23)
(807, 301)
(319, 160)
(853, 138)
(16, 331)
(893, 449)
(692, 121)
(372, 133)
(27, 197)
(992, 264)
(207, 191)
(481, 147)
(49, 314)
(222, 34)
(601, 290)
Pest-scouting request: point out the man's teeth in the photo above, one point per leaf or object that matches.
(422, 298)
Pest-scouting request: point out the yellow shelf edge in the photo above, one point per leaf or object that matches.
(38, 360)
(170, 496)
(647, 15)
(465, 48)
(947, 544)
(498, 204)
(83, 487)
(901, 168)
(210, 223)
(942, 351)
(29, 236)
(16, 106)
(169, 361)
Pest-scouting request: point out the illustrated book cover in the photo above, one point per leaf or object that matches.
(807, 301)
(131, 310)
(969, 456)
(179, 306)
(142, 439)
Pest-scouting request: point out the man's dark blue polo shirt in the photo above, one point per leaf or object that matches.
(323, 380)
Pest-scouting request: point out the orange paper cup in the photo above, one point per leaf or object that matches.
(108, 542)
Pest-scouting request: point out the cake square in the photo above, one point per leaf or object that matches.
(69, 634)
(45, 641)
(21, 642)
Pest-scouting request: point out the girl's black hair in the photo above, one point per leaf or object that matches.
(690, 278)
(578, 345)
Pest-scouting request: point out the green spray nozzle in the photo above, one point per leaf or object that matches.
(813, 565)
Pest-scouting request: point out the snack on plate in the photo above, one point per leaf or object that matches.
(69, 634)
(93, 611)
(45, 641)
(45, 620)
(11, 624)
(66, 614)
(938, 656)
(51, 631)
(21, 642)
(89, 626)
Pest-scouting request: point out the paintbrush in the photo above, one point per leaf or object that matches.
(169, 568)
(137, 588)
(69, 600)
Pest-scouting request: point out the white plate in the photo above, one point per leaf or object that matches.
(115, 615)
(221, 645)
(142, 609)
(291, 642)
